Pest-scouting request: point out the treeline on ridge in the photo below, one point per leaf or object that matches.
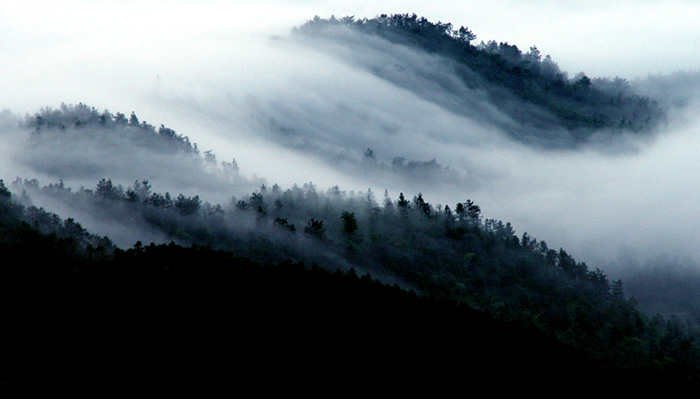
(454, 255)
(174, 317)
(579, 104)
(449, 253)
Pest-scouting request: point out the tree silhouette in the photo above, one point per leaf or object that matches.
(349, 222)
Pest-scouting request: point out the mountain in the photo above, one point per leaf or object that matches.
(455, 256)
(303, 285)
(528, 88)
(196, 318)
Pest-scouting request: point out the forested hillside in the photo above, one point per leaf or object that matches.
(547, 106)
(450, 253)
(197, 318)
(193, 275)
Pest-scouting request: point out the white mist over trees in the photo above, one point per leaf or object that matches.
(227, 88)
(291, 113)
(280, 148)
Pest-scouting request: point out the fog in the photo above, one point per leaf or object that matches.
(231, 77)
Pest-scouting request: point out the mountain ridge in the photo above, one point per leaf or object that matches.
(453, 256)
(550, 100)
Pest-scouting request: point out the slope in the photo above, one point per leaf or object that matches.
(543, 106)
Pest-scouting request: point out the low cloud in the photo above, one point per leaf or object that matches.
(290, 112)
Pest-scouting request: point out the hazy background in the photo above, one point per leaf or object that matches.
(227, 74)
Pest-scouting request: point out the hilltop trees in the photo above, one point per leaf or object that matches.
(514, 80)
(456, 255)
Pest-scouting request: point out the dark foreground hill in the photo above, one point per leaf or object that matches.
(167, 317)
(171, 317)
